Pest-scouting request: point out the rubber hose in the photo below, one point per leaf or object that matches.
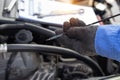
(55, 50)
(29, 26)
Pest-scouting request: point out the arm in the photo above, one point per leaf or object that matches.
(107, 41)
(92, 40)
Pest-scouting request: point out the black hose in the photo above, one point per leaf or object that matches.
(55, 50)
(29, 26)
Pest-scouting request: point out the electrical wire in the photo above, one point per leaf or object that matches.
(55, 50)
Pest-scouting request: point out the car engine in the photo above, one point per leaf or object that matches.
(26, 55)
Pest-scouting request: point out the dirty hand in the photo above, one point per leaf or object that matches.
(78, 36)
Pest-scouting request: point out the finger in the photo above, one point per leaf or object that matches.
(66, 26)
(73, 22)
(76, 22)
(80, 22)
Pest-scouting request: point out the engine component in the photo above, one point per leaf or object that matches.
(75, 70)
(55, 50)
(28, 26)
(45, 72)
(24, 36)
(21, 66)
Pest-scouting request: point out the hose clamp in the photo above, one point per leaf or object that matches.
(3, 48)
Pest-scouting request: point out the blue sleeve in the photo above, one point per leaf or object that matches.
(107, 41)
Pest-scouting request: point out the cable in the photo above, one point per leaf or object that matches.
(104, 19)
(54, 50)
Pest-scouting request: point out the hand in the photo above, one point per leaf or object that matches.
(78, 36)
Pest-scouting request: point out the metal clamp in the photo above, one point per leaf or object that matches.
(3, 48)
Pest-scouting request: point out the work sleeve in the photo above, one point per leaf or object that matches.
(107, 41)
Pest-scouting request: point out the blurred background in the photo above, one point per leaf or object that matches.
(41, 10)
(102, 8)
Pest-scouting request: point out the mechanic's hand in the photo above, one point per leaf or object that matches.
(78, 37)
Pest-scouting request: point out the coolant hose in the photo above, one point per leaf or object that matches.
(54, 50)
(29, 26)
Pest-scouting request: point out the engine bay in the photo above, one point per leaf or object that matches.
(26, 55)
(30, 57)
